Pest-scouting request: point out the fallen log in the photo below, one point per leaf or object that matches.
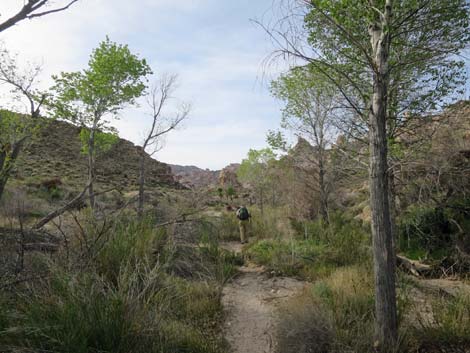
(416, 268)
(43, 247)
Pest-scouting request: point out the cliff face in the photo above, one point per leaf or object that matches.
(228, 176)
(56, 153)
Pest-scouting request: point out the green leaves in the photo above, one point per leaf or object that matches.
(254, 169)
(427, 36)
(103, 140)
(115, 77)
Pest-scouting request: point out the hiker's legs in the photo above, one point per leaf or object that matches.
(242, 231)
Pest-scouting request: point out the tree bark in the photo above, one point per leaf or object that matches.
(393, 206)
(323, 191)
(386, 326)
(7, 162)
(140, 206)
(56, 213)
(91, 167)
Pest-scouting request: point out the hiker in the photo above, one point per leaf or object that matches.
(243, 218)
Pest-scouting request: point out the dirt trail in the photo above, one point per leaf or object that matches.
(250, 301)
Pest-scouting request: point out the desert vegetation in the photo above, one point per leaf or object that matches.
(359, 201)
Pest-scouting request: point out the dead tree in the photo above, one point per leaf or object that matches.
(162, 123)
(33, 9)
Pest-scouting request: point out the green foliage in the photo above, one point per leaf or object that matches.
(113, 79)
(14, 127)
(104, 141)
(255, 170)
(317, 249)
(424, 70)
(127, 300)
(427, 231)
(309, 100)
(230, 192)
(276, 141)
(255, 165)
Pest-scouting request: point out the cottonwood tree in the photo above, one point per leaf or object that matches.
(309, 111)
(30, 9)
(385, 57)
(90, 98)
(16, 128)
(255, 171)
(160, 96)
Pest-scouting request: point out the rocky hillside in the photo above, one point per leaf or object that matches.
(55, 153)
(194, 177)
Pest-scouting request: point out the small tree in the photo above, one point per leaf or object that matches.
(310, 102)
(254, 170)
(162, 123)
(114, 79)
(16, 129)
(230, 192)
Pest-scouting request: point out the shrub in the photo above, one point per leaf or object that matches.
(121, 295)
(317, 251)
(424, 227)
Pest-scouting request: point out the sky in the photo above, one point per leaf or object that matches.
(213, 47)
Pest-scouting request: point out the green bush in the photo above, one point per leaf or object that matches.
(123, 296)
(431, 232)
(425, 228)
(317, 251)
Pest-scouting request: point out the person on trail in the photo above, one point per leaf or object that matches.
(243, 218)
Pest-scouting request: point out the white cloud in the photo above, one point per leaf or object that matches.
(210, 44)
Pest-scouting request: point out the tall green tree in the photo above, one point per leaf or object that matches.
(255, 171)
(114, 79)
(309, 111)
(391, 61)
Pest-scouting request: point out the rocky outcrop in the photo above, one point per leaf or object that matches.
(228, 176)
(194, 177)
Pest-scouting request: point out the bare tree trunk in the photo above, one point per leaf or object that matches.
(323, 192)
(393, 206)
(7, 162)
(56, 213)
(261, 201)
(140, 207)
(386, 325)
(91, 167)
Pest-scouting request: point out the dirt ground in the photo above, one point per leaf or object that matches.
(250, 302)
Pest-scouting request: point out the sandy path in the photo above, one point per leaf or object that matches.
(250, 302)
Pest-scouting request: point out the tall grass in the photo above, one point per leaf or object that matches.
(126, 298)
(449, 325)
(316, 252)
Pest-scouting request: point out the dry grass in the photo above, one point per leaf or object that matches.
(305, 326)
